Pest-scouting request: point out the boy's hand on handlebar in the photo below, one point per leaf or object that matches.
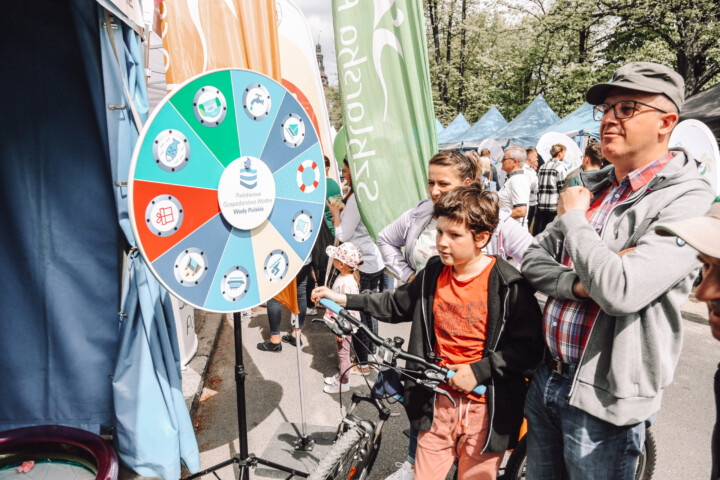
(464, 379)
(325, 292)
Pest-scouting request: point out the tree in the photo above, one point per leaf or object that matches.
(689, 29)
(332, 98)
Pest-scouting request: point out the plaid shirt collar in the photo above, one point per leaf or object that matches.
(640, 177)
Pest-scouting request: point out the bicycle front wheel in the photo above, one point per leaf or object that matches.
(350, 458)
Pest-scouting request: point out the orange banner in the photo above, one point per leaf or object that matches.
(203, 36)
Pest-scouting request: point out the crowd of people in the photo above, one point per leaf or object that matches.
(588, 370)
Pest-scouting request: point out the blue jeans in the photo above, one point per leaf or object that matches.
(412, 446)
(564, 442)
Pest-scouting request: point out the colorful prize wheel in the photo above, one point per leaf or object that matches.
(227, 190)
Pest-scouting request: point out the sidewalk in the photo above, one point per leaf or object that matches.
(271, 384)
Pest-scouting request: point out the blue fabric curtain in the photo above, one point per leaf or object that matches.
(154, 432)
(58, 240)
(61, 153)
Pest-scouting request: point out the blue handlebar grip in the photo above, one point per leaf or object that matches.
(327, 303)
(480, 389)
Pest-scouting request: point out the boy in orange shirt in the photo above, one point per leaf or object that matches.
(476, 315)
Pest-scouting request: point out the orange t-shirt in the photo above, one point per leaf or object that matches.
(460, 311)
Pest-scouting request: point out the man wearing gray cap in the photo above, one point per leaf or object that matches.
(612, 321)
(703, 234)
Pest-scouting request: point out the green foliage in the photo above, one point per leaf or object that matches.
(332, 97)
(517, 49)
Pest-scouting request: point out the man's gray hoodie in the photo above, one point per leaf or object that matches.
(634, 345)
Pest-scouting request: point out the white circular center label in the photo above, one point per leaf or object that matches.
(246, 193)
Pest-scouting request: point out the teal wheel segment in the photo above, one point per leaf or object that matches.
(189, 267)
(235, 286)
(303, 178)
(298, 223)
(257, 103)
(291, 134)
(173, 153)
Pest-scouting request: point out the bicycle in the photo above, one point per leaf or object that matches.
(358, 440)
(353, 454)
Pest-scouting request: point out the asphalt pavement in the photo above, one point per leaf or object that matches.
(682, 428)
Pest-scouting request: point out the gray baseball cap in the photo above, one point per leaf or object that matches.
(645, 77)
(702, 233)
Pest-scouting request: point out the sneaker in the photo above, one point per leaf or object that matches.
(337, 387)
(287, 338)
(311, 311)
(405, 472)
(268, 346)
(334, 379)
(363, 370)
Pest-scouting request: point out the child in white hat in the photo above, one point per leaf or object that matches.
(346, 259)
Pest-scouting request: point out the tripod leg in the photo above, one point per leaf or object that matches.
(240, 375)
(304, 443)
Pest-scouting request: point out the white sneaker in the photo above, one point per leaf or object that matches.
(405, 472)
(337, 387)
(311, 311)
(333, 379)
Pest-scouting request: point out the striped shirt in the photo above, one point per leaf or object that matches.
(568, 323)
(551, 178)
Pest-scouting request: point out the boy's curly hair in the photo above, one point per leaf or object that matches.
(478, 209)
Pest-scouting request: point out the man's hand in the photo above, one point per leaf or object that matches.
(579, 289)
(464, 379)
(574, 198)
(325, 292)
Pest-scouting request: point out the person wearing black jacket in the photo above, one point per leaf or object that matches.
(511, 335)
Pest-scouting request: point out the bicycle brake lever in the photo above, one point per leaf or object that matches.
(447, 394)
(332, 326)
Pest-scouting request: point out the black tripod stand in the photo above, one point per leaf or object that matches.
(244, 459)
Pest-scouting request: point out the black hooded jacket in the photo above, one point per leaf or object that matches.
(514, 344)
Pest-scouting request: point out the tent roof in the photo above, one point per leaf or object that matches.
(457, 126)
(581, 120)
(536, 116)
(490, 122)
(438, 126)
(705, 106)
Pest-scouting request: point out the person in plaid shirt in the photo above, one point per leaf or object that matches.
(551, 179)
(612, 322)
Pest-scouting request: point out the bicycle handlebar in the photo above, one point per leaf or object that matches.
(346, 317)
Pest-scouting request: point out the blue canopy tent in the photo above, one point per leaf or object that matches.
(68, 357)
(457, 126)
(438, 126)
(579, 122)
(537, 115)
(488, 123)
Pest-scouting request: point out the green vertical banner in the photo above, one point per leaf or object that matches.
(387, 105)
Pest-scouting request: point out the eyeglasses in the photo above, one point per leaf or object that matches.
(622, 110)
(506, 158)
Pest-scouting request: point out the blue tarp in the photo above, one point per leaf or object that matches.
(536, 116)
(438, 126)
(154, 432)
(68, 358)
(457, 126)
(59, 241)
(581, 121)
(492, 121)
